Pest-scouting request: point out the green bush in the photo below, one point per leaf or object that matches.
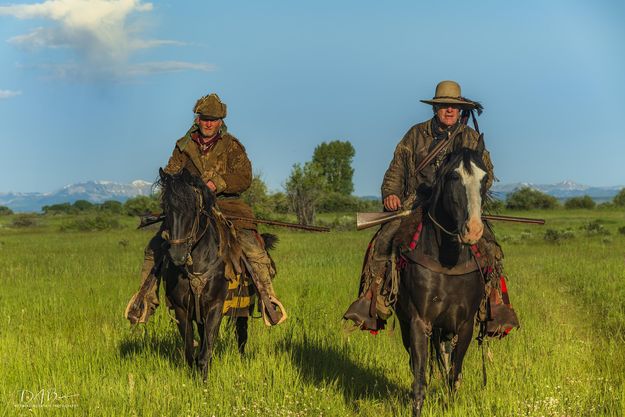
(142, 204)
(112, 206)
(528, 199)
(83, 205)
(621, 230)
(5, 211)
(91, 224)
(584, 202)
(25, 220)
(556, 236)
(595, 228)
(61, 208)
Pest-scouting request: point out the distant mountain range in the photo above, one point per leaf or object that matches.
(100, 191)
(93, 191)
(562, 190)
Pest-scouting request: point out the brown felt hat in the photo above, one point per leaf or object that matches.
(210, 107)
(448, 92)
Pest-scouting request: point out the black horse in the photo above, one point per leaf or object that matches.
(193, 271)
(441, 286)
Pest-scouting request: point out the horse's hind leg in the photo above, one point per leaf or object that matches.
(418, 359)
(465, 333)
(211, 328)
(241, 332)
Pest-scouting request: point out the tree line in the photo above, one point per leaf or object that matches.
(323, 184)
(527, 198)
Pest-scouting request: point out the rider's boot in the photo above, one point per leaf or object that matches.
(263, 275)
(145, 301)
(371, 305)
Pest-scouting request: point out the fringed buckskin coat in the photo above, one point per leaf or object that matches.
(226, 164)
(401, 178)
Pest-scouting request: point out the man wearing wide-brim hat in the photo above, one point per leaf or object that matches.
(404, 188)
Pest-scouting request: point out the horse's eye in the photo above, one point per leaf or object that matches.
(454, 176)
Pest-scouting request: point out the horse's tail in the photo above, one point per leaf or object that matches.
(270, 240)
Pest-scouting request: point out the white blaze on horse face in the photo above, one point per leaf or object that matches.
(472, 184)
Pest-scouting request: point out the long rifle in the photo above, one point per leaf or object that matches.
(149, 219)
(366, 220)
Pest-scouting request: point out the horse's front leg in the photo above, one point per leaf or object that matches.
(465, 334)
(185, 327)
(418, 358)
(211, 328)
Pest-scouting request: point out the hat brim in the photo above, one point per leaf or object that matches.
(449, 100)
(208, 118)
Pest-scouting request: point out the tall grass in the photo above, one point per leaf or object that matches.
(62, 331)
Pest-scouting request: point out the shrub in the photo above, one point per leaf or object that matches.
(584, 202)
(556, 236)
(92, 224)
(528, 199)
(25, 220)
(142, 204)
(595, 228)
(112, 206)
(61, 208)
(493, 205)
(621, 230)
(5, 211)
(83, 205)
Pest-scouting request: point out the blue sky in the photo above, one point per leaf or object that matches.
(100, 90)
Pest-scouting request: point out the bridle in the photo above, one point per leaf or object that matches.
(442, 228)
(193, 238)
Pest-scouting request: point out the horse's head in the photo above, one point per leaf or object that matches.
(456, 202)
(185, 199)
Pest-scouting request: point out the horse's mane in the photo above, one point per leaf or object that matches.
(177, 192)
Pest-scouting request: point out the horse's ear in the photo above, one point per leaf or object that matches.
(161, 173)
(480, 144)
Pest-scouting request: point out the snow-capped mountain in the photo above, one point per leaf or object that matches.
(561, 190)
(93, 191)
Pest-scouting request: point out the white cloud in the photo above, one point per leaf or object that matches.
(99, 31)
(9, 94)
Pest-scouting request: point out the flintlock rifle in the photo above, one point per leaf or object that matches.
(149, 219)
(366, 220)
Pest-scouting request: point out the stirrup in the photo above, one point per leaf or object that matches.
(141, 311)
(275, 303)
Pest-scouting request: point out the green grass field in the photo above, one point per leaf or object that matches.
(63, 337)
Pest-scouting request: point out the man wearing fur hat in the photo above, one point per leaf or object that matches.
(208, 151)
(404, 188)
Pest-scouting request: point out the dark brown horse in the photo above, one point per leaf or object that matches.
(441, 287)
(193, 271)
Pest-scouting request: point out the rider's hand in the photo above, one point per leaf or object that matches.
(210, 184)
(392, 202)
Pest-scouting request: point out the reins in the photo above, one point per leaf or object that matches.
(437, 224)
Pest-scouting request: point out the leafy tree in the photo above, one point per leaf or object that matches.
(279, 203)
(59, 208)
(528, 199)
(112, 206)
(304, 188)
(619, 199)
(83, 205)
(141, 204)
(335, 161)
(584, 202)
(257, 197)
(5, 211)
